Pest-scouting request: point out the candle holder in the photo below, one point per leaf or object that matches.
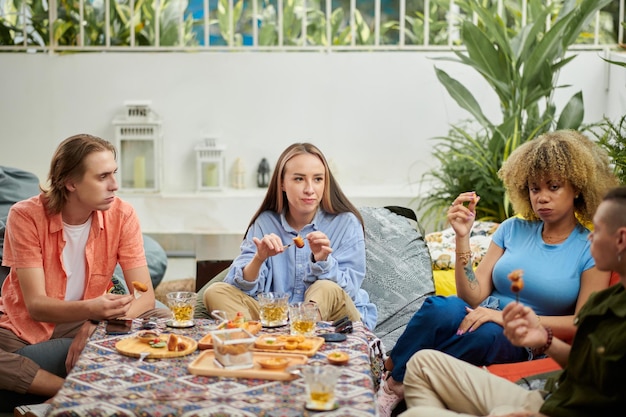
(210, 165)
(138, 142)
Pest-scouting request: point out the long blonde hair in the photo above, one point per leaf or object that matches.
(334, 201)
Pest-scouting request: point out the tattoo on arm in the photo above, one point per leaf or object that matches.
(471, 278)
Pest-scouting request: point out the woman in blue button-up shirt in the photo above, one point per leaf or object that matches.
(303, 199)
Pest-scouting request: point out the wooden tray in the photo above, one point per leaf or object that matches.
(316, 342)
(132, 346)
(205, 364)
(206, 342)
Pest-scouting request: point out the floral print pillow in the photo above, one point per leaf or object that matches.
(441, 245)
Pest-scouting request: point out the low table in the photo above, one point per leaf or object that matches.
(104, 382)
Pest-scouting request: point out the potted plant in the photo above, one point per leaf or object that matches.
(522, 69)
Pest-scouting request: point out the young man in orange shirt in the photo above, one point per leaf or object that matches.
(62, 247)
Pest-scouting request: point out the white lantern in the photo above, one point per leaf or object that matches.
(138, 142)
(210, 165)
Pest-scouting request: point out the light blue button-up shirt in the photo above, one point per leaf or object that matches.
(293, 271)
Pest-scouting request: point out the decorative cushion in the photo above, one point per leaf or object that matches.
(445, 283)
(442, 244)
(399, 274)
(15, 185)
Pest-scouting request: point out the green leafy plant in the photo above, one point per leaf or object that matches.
(612, 137)
(521, 68)
(415, 22)
(66, 27)
(33, 22)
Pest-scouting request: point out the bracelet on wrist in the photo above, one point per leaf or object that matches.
(541, 350)
(464, 257)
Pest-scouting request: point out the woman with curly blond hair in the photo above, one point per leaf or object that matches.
(555, 183)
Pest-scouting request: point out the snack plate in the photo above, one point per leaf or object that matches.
(314, 341)
(133, 346)
(205, 364)
(207, 341)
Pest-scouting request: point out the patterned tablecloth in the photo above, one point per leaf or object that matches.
(106, 383)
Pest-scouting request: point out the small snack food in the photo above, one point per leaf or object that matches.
(269, 343)
(517, 282)
(298, 241)
(147, 336)
(140, 288)
(172, 342)
(274, 363)
(338, 357)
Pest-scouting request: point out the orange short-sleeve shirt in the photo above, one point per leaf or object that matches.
(34, 239)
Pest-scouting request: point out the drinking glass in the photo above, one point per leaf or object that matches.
(302, 318)
(320, 381)
(274, 308)
(182, 304)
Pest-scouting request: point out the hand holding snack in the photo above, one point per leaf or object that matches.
(139, 288)
(517, 282)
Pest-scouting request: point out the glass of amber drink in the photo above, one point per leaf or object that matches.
(274, 308)
(302, 318)
(320, 381)
(182, 305)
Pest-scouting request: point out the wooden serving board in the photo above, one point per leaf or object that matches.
(315, 341)
(205, 364)
(132, 346)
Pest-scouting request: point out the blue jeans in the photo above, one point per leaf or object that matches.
(434, 326)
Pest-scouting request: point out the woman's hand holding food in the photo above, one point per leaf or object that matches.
(462, 216)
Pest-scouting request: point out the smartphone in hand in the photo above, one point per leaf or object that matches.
(119, 326)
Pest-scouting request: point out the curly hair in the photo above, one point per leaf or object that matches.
(564, 154)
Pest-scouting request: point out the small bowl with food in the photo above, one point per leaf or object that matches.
(274, 363)
(338, 357)
(269, 343)
(147, 336)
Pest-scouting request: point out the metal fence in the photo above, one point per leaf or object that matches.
(267, 25)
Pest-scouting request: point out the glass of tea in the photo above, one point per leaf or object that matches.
(274, 308)
(182, 305)
(302, 318)
(320, 381)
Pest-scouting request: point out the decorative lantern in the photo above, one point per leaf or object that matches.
(263, 174)
(138, 142)
(210, 165)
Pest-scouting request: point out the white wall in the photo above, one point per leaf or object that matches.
(373, 114)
